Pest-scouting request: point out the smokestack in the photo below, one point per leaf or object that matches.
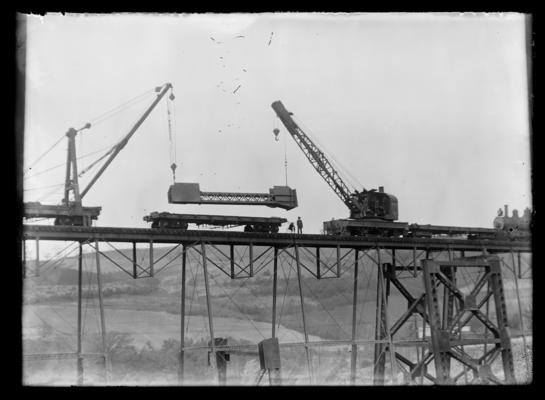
(381, 189)
(506, 208)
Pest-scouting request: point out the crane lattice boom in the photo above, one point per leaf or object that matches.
(316, 157)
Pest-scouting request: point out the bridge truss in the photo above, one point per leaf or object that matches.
(450, 286)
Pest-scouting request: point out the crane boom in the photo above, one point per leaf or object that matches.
(316, 157)
(124, 141)
(368, 204)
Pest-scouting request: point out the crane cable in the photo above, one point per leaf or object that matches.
(64, 163)
(276, 132)
(43, 154)
(285, 156)
(86, 169)
(172, 138)
(95, 121)
(352, 180)
(108, 114)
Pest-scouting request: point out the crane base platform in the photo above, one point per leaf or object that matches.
(70, 215)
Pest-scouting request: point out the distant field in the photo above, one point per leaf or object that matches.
(153, 326)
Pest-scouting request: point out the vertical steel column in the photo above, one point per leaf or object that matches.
(37, 264)
(440, 356)
(251, 248)
(102, 316)
(448, 299)
(519, 266)
(79, 338)
(275, 282)
(354, 355)
(487, 311)
(318, 273)
(385, 294)
(520, 311)
(415, 269)
(379, 359)
(422, 352)
(24, 257)
(182, 320)
(232, 257)
(134, 270)
(151, 258)
(501, 315)
(208, 302)
(338, 261)
(274, 374)
(307, 350)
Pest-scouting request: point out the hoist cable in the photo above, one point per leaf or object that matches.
(171, 151)
(286, 157)
(352, 180)
(84, 170)
(43, 155)
(64, 163)
(96, 121)
(54, 191)
(108, 114)
(171, 137)
(43, 187)
(175, 133)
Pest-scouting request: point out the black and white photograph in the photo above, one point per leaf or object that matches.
(275, 198)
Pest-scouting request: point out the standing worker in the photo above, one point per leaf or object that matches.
(299, 225)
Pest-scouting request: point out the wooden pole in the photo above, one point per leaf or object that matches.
(354, 355)
(275, 283)
(208, 304)
(307, 350)
(182, 321)
(102, 316)
(80, 322)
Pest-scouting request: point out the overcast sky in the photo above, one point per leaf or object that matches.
(431, 106)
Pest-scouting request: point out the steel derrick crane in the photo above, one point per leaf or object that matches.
(370, 210)
(73, 212)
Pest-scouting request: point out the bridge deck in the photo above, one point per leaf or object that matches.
(116, 234)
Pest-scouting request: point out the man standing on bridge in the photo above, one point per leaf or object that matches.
(299, 225)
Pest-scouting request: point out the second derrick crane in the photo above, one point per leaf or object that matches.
(371, 211)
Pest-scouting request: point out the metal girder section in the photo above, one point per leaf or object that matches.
(132, 274)
(298, 261)
(382, 328)
(133, 260)
(69, 233)
(335, 268)
(233, 263)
